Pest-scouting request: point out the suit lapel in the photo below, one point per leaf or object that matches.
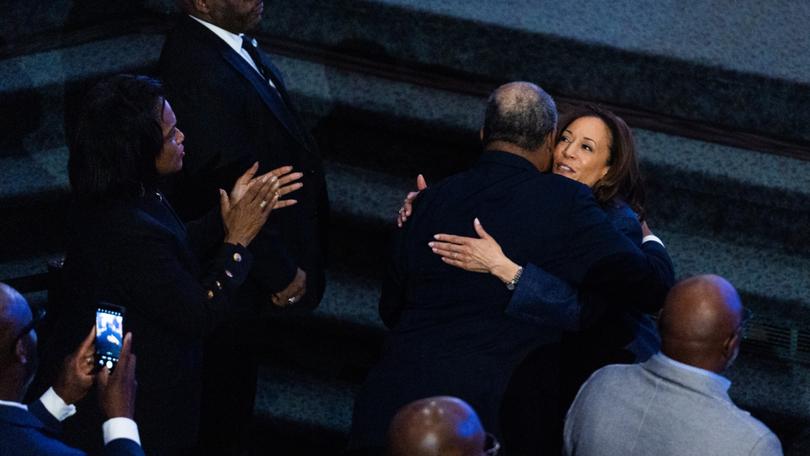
(275, 75)
(273, 101)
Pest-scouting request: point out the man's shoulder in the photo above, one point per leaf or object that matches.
(26, 437)
(613, 372)
(747, 424)
(187, 42)
(613, 377)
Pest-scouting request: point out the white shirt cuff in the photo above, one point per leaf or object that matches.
(56, 406)
(653, 238)
(120, 428)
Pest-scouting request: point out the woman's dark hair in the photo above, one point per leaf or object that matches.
(118, 136)
(623, 180)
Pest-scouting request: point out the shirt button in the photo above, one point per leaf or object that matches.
(219, 285)
(229, 274)
(237, 257)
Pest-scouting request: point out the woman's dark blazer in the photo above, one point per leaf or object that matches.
(617, 334)
(139, 255)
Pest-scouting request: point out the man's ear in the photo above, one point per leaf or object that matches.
(21, 351)
(200, 6)
(731, 344)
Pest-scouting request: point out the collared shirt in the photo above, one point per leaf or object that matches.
(721, 381)
(234, 41)
(653, 238)
(14, 404)
(114, 428)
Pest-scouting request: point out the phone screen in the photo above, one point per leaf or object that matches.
(109, 335)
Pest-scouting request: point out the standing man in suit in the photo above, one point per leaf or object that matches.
(233, 104)
(449, 333)
(33, 429)
(677, 402)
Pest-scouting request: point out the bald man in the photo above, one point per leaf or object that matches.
(437, 426)
(29, 430)
(677, 402)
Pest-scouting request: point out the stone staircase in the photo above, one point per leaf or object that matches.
(395, 87)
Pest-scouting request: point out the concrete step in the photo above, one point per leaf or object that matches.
(711, 65)
(299, 414)
(775, 280)
(705, 65)
(40, 90)
(401, 128)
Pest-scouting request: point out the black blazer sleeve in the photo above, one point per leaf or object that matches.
(205, 234)
(122, 447)
(610, 265)
(158, 280)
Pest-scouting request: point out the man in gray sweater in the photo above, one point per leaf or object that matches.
(677, 402)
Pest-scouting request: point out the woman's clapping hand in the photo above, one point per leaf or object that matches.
(246, 208)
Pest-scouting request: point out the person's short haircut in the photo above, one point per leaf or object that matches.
(519, 113)
(118, 136)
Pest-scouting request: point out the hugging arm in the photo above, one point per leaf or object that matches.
(546, 299)
(539, 297)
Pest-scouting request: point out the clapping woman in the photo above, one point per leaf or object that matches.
(127, 246)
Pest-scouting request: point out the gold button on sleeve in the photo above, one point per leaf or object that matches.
(210, 294)
(237, 257)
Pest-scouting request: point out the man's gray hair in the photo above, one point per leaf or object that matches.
(520, 113)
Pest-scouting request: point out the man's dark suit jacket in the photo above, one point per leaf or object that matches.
(34, 433)
(449, 333)
(231, 119)
(139, 255)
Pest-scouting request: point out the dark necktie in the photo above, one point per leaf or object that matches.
(289, 118)
(249, 44)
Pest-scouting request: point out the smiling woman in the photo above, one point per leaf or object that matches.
(596, 147)
(583, 151)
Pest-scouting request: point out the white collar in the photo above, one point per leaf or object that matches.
(723, 381)
(14, 404)
(233, 40)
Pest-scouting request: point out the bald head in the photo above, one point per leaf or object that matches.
(699, 322)
(18, 359)
(435, 426)
(14, 314)
(520, 113)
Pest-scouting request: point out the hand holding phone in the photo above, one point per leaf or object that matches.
(76, 377)
(116, 391)
(109, 335)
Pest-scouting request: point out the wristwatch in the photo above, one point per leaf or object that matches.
(510, 285)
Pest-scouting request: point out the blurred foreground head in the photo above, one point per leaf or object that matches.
(440, 425)
(18, 342)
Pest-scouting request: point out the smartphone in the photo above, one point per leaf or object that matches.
(109, 334)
